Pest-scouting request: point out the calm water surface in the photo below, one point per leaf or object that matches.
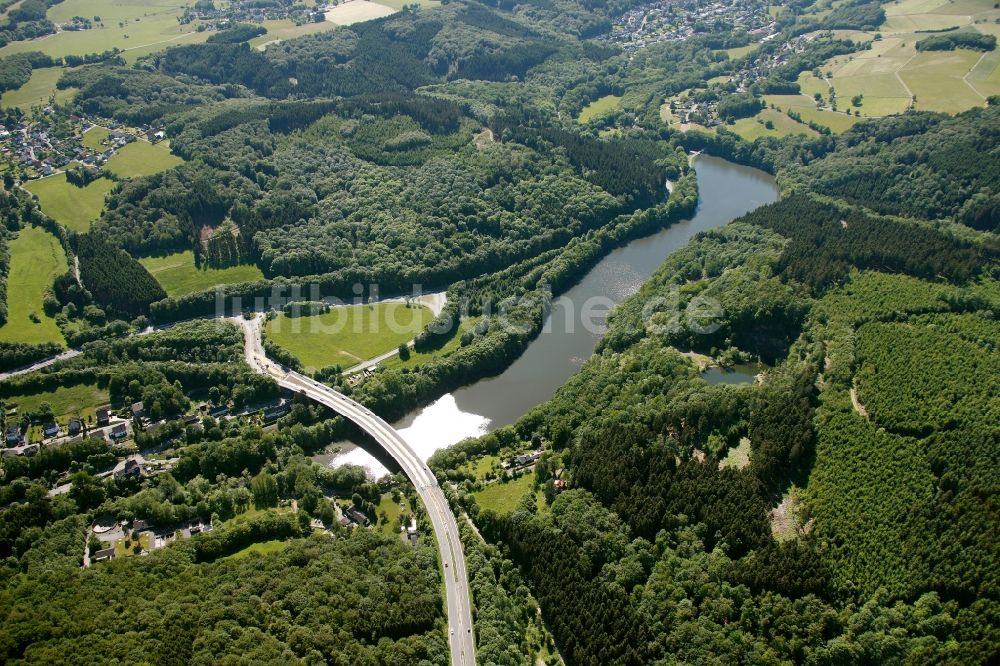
(726, 191)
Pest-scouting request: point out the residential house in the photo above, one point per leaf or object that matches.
(75, 426)
(14, 435)
(101, 555)
(103, 416)
(131, 468)
(138, 410)
(527, 458)
(216, 412)
(50, 429)
(357, 517)
(274, 412)
(119, 432)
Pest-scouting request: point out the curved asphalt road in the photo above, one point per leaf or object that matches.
(456, 581)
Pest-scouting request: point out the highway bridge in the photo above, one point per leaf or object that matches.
(461, 639)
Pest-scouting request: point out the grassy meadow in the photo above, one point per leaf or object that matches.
(139, 27)
(261, 548)
(93, 137)
(503, 498)
(805, 106)
(417, 358)
(892, 75)
(349, 334)
(755, 127)
(178, 275)
(283, 29)
(141, 158)
(599, 107)
(36, 258)
(38, 90)
(73, 207)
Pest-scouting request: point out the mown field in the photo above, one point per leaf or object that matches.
(599, 107)
(72, 206)
(781, 125)
(358, 11)
(80, 400)
(805, 106)
(284, 29)
(503, 498)
(892, 74)
(141, 158)
(399, 4)
(39, 89)
(139, 28)
(93, 137)
(417, 358)
(36, 258)
(348, 335)
(261, 548)
(178, 275)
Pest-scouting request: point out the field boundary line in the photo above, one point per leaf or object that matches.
(972, 69)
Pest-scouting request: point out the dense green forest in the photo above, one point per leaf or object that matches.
(316, 600)
(842, 508)
(892, 505)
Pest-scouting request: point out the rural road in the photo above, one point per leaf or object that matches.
(460, 636)
(69, 353)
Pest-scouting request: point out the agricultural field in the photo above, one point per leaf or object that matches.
(358, 11)
(36, 258)
(937, 80)
(805, 106)
(756, 126)
(137, 27)
(892, 74)
(39, 89)
(261, 548)
(739, 51)
(399, 4)
(503, 498)
(93, 137)
(599, 107)
(417, 358)
(80, 400)
(141, 158)
(69, 205)
(349, 334)
(279, 31)
(178, 275)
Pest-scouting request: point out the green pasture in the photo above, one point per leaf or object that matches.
(599, 107)
(936, 79)
(80, 400)
(178, 275)
(754, 127)
(283, 29)
(36, 258)
(806, 107)
(262, 548)
(38, 91)
(73, 207)
(132, 25)
(349, 334)
(141, 158)
(503, 498)
(92, 138)
(891, 71)
(417, 358)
